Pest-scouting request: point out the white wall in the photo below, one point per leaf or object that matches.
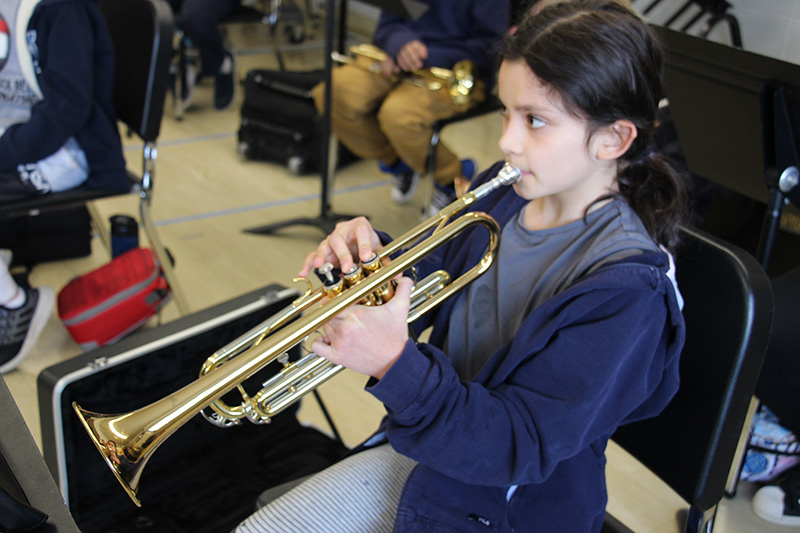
(768, 27)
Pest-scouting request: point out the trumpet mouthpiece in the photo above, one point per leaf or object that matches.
(508, 175)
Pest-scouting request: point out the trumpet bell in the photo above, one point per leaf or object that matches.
(124, 457)
(459, 83)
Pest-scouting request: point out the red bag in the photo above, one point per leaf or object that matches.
(104, 305)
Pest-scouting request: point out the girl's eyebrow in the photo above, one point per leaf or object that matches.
(523, 108)
(534, 109)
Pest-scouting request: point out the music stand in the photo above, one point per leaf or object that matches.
(326, 221)
(734, 112)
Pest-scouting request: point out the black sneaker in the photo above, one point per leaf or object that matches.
(445, 195)
(224, 83)
(780, 503)
(442, 197)
(404, 181)
(20, 328)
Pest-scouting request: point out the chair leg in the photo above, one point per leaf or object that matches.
(275, 8)
(741, 449)
(163, 257)
(100, 225)
(178, 104)
(431, 170)
(733, 28)
(700, 522)
(145, 196)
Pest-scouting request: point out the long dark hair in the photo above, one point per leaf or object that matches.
(605, 62)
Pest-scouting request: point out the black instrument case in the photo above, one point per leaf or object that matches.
(201, 479)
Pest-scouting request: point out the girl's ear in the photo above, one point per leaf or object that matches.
(616, 139)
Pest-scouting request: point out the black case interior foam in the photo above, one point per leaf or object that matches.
(201, 479)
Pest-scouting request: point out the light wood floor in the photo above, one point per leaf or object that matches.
(206, 195)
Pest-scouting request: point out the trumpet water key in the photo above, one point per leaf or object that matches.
(127, 441)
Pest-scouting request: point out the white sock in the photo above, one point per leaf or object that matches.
(17, 301)
(227, 65)
(9, 290)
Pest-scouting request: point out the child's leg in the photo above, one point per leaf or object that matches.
(359, 493)
(356, 95)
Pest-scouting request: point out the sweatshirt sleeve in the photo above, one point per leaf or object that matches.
(66, 80)
(569, 377)
(392, 33)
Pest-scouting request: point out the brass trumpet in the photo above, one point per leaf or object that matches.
(460, 82)
(127, 441)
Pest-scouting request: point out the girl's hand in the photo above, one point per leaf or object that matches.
(350, 240)
(368, 339)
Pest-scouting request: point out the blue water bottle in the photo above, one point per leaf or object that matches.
(124, 234)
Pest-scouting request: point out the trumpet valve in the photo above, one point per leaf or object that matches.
(332, 284)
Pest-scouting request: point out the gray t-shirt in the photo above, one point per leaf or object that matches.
(532, 266)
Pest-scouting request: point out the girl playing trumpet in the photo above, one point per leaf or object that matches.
(501, 420)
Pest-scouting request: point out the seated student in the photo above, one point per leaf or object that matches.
(199, 20)
(376, 116)
(502, 418)
(59, 130)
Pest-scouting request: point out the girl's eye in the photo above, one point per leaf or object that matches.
(503, 110)
(535, 122)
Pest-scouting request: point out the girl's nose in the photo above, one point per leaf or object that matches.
(508, 142)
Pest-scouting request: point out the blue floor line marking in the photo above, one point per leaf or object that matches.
(188, 140)
(267, 205)
(246, 208)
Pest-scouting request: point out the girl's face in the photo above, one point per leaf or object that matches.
(548, 144)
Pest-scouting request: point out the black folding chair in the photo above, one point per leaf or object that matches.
(141, 32)
(692, 444)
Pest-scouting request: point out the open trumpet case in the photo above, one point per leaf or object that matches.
(203, 478)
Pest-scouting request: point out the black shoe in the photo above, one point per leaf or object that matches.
(441, 198)
(20, 328)
(224, 83)
(404, 181)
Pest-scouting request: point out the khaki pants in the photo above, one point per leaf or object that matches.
(379, 119)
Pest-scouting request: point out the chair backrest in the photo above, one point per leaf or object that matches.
(692, 443)
(141, 32)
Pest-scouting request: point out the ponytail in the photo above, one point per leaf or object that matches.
(658, 194)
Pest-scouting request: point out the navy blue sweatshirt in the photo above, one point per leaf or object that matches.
(602, 353)
(452, 30)
(76, 75)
